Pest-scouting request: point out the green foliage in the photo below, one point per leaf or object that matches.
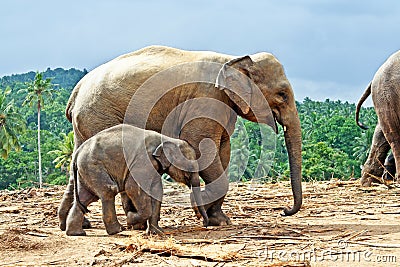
(252, 151)
(11, 124)
(323, 162)
(64, 152)
(333, 123)
(333, 146)
(20, 169)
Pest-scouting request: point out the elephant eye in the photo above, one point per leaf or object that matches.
(283, 95)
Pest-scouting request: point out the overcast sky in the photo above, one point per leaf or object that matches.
(330, 49)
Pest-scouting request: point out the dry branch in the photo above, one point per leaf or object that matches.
(356, 234)
(375, 244)
(273, 237)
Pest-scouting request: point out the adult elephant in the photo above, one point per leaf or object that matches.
(385, 91)
(199, 94)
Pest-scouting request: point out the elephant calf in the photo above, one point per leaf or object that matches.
(128, 159)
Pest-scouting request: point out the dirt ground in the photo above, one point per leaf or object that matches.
(340, 224)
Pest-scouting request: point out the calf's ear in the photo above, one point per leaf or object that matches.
(160, 156)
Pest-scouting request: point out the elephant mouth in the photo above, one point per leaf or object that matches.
(275, 121)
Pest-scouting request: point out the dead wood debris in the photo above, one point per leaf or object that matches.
(333, 211)
(170, 247)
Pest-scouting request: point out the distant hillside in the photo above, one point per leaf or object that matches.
(63, 78)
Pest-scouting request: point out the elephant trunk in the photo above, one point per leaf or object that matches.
(195, 184)
(292, 132)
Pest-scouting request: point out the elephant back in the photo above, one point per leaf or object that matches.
(101, 97)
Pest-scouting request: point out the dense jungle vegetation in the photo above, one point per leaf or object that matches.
(333, 146)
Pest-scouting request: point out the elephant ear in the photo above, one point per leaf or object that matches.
(237, 78)
(234, 79)
(159, 155)
(168, 153)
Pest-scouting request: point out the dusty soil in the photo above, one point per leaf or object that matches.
(340, 224)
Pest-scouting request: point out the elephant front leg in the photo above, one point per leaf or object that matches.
(156, 199)
(128, 207)
(153, 227)
(213, 196)
(141, 200)
(215, 174)
(110, 216)
(217, 185)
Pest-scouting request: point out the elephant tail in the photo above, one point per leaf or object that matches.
(359, 104)
(69, 107)
(71, 101)
(75, 176)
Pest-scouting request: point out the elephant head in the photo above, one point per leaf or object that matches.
(178, 159)
(261, 92)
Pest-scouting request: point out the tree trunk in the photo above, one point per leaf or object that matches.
(39, 152)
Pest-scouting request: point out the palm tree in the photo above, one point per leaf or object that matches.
(11, 123)
(36, 91)
(64, 152)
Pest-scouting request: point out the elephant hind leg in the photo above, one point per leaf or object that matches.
(390, 124)
(66, 204)
(395, 144)
(68, 196)
(106, 189)
(75, 217)
(372, 168)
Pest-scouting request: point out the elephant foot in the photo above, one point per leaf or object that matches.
(62, 217)
(365, 182)
(135, 221)
(114, 228)
(86, 223)
(79, 232)
(139, 226)
(218, 219)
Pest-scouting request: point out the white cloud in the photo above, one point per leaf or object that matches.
(332, 48)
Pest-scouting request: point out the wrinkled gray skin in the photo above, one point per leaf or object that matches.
(101, 171)
(385, 91)
(100, 100)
